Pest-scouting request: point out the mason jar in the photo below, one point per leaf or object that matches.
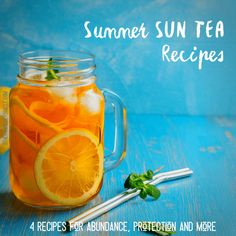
(57, 130)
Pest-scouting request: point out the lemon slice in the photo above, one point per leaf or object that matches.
(4, 119)
(36, 128)
(69, 167)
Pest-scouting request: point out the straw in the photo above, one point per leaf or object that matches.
(106, 206)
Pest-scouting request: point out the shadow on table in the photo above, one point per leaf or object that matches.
(12, 207)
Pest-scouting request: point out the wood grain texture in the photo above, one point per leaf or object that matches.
(205, 144)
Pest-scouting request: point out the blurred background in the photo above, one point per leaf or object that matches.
(132, 68)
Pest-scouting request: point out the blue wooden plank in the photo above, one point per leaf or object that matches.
(205, 144)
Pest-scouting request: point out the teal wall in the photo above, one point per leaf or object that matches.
(132, 68)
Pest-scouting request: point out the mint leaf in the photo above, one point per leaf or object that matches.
(147, 176)
(152, 191)
(129, 182)
(51, 73)
(143, 194)
(150, 174)
(135, 181)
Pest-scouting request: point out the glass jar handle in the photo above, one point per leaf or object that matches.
(113, 159)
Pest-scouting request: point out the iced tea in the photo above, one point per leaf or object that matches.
(56, 135)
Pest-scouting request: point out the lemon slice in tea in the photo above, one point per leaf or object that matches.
(69, 167)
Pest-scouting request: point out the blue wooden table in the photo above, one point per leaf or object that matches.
(205, 144)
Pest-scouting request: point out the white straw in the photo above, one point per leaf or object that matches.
(104, 207)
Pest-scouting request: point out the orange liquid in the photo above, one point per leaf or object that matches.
(62, 108)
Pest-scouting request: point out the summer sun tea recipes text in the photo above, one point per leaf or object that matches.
(168, 30)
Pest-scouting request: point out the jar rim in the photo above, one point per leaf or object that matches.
(38, 55)
(69, 66)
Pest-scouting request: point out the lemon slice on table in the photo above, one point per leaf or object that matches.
(4, 119)
(69, 167)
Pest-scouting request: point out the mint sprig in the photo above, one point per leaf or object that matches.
(136, 181)
(51, 73)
